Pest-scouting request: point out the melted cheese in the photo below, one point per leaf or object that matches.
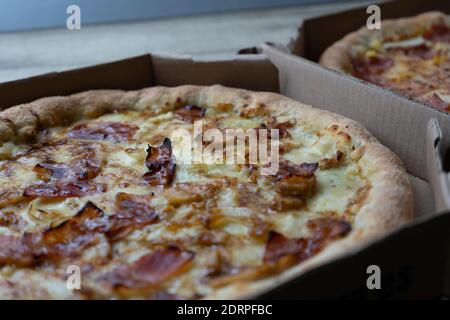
(224, 211)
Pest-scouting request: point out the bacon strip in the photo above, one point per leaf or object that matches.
(323, 230)
(438, 33)
(133, 212)
(71, 179)
(113, 131)
(294, 181)
(420, 50)
(85, 229)
(370, 68)
(81, 169)
(333, 161)
(161, 164)
(63, 189)
(150, 270)
(274, 124)
(190, 113)
(13, 250)
(288, 169)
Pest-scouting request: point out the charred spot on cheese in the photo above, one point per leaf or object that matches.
(322, 231)
(161, 164)
(132, 212)
(113, 131)
(190, 113)
(144, 275)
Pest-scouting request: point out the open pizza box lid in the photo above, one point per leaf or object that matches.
(405, 273)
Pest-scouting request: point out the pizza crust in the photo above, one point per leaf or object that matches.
(339, 55)
(388, 205)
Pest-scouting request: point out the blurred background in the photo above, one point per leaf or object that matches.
(35, 39)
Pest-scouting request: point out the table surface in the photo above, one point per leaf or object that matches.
(211, 36)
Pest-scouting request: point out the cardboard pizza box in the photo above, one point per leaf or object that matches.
(411, 260)
(305, 80)
(397, 121)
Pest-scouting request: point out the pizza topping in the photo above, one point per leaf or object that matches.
(295, 180)
(322, 231)
(161, 164)
(73, 235)
(63, 189)
(82, 230)
(14, 251)
(288, 169)
(190, 113)
(333, 161)
(280, 126)
(438, 33)
(133, 212)
(151, 269)
(294, 184)
(185, 193)
(369, 68)
(436, 101)
(113, 131)
(65, 240)
(422, 51)
(287, 203)
(78, 170)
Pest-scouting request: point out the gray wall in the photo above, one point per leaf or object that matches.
(30, 14)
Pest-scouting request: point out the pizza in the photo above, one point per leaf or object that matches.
(409, 55)
(93, 185)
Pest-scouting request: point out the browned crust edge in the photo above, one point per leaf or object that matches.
(389, 203)
(340, 54)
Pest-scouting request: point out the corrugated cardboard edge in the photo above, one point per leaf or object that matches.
(439, 179)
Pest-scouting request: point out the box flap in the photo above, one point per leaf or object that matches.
(249, 72)
(128, 74)
(438, 177)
